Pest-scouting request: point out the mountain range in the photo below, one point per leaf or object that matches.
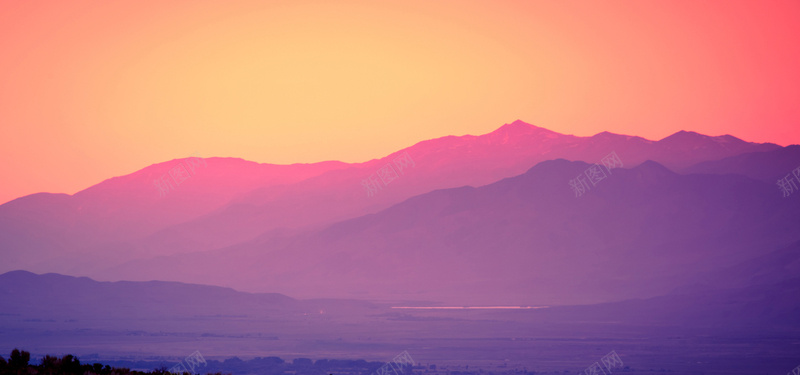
(453, 219)
(227, 201)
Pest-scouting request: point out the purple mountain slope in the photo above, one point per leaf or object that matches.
(756, 308)
(771, 268)
(758, 294)
(639, 232)
(768, 166)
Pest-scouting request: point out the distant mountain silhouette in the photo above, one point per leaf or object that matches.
(52, 295)
(231, 201)
(23, 292)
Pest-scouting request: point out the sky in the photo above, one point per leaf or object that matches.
(95, 89)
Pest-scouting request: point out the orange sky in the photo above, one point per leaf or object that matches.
(95, 89)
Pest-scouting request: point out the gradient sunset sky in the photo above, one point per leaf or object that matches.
(95, 89)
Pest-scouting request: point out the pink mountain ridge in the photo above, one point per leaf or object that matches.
(470, 219)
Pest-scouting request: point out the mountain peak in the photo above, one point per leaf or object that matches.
(519, 127)
(653, 165)
(610, 135)
(684, 135)
(519, 122)
(727, 138)
(17, 274)
(653, 171)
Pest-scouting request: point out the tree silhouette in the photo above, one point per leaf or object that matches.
(71, 365)
(49, 365)
(19, 359)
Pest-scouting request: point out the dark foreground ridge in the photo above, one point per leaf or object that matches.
(19, 363)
